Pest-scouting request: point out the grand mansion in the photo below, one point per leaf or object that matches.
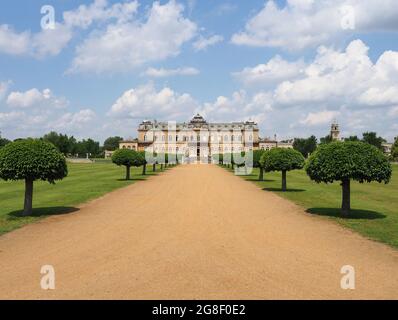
(199, 138)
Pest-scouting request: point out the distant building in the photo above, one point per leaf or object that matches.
(268, 144)
(199, 138)
(129, 144)
(387, 148)
(108, 154)
(335, 131)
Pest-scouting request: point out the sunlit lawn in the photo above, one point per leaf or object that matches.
(84, 182)
(375, 206)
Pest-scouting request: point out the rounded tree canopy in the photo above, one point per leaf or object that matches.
(257, 154)
(32, 159)
(281, 159)
(127, 157)
(143, 157)
(338, 161)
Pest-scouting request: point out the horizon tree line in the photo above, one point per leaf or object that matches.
(70, 146)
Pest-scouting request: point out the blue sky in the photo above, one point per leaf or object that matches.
(291, 65)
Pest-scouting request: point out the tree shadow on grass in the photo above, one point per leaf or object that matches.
(40, 212)
(354, 213)
(280, 190)
(132, 179)
(255, 179)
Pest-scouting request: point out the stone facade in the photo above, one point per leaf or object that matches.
(196, 138)
(199, 138)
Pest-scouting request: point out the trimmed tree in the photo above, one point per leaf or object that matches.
(142, 161)
(257, 154)
(394, 151)
(126, 157)
(280, 159)
(32, 160)
(346, 161)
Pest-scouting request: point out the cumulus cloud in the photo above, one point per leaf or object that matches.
(162, 73)
(240, 106)
(12, 42)
(145, 102)
(203, 43)
(34, 98)
(307, 23)
(85, 15)
(50, 42)
(128, 45)
(74, 121)
(344, 78)
(4, 86)
(320, 118)
(274, 71)
(35, 112)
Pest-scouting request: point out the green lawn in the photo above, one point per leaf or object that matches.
(84, 182)
(375, 206)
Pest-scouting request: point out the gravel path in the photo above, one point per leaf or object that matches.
(193, 232)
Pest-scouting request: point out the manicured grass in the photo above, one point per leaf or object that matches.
(84, 182)
(375, 206)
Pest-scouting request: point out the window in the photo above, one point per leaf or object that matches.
(225, 138)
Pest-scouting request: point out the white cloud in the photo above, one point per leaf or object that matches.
(4, 86)
(203, 43)
(238, 107)
(319, 118)
(36, 112)
(145, 102)
(40, 44)
(162, 73)
(75, 120)
(34, 98)
(85, 15)
(274, 71)
(125, 46)
(50, 42)
(308, 23)
(12, 42)
(347, 77)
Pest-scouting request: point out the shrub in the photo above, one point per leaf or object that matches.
(346, 161)
(280, 159)
(31, 160)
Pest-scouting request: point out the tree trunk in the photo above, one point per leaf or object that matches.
(27, 210)
(161, 167)
(233, 166)
(144, 170)
(284, 187)
(127, 172)
(154, 167)
(261, 176)
(346, 203)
